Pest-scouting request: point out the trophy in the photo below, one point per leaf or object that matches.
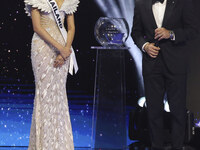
(112, 32)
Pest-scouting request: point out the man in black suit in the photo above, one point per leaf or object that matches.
(161, 29)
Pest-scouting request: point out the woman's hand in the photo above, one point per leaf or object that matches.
(59, 61)
(65, 52)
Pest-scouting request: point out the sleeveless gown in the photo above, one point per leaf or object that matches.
(51, 126)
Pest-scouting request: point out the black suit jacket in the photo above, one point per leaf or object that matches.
(179, 17)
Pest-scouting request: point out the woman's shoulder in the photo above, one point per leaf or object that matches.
(70, 6)
(39, 4)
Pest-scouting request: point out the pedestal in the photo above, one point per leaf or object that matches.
(109, 111)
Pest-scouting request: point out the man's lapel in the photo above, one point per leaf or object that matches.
(168, 11)
(150, 13)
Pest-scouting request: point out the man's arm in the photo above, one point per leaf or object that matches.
(138, 35)
(137, 29)
(189, 29)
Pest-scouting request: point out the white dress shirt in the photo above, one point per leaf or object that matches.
(158, 12)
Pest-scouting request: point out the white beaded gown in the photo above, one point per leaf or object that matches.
(51, 125)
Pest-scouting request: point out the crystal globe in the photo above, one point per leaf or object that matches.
(111, 31)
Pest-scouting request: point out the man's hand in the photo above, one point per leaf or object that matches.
(162, 33)
(152, 50)
(59, 61)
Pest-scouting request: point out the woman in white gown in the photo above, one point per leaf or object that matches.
(50, 54)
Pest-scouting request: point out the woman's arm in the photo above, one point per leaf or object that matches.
(70, 38)
(66, 51)
(71, 30)
(42, 32)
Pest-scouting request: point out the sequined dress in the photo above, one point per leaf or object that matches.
(51, 125)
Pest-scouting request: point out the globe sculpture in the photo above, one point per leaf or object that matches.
(111, 31)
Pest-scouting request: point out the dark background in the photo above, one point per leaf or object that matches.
(193, 96)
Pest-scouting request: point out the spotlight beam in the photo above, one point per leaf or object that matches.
(125, 10)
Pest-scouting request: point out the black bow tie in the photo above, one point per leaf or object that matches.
(154, 1)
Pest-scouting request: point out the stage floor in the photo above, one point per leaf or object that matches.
(84, 148)
(16, 106)
(25, 148)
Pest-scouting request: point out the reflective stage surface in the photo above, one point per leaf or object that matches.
(16, 105)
